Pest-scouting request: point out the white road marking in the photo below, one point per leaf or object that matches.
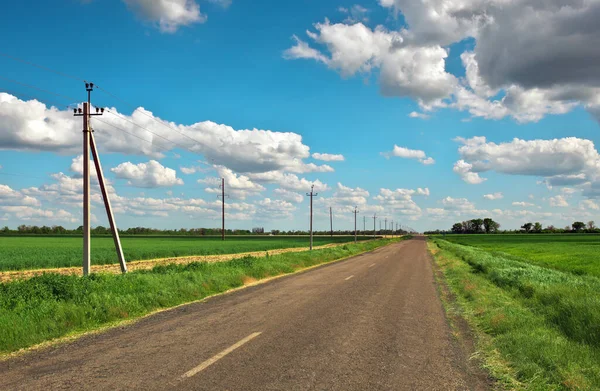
(219, 356)
(372, 265)
(347, 278)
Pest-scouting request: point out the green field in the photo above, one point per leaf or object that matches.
(534, 303)
(579, 254)
(36, 252)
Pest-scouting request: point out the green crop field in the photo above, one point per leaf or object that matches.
(579, 254)
(36, 252)
(534, 303)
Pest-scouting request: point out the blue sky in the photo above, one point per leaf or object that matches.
(250, 95)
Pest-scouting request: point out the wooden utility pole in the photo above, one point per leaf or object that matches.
(223, 208)
(311, 195)
(385, 228)
(109, 213)
(392, 228)
(87, 264)
(355, 213)
(374, 229)
(90, 143)
(331, 221)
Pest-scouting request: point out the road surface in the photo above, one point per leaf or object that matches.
(373, 322)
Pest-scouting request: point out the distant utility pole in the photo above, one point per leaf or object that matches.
(331, 221)
(311, 195)
(385, 230)
(364, 225)
(374, 218)
(222, 196)
(355, 213)
(90, 143)
(392, 228)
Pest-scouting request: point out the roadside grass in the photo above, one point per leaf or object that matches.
(575, 253)
(51, 306)
(538, 328)
(37, 252)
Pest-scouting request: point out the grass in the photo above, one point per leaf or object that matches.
(538, 328)
(575, 253)
(51, 306)
(30, 252)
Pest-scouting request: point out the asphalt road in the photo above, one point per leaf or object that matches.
(373, 322)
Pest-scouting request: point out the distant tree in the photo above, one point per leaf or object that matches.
(591, 225)
(578, 226)
(490, 225)
(567, 228)
(550, 228)
(457, 228)
(527, 227)
(5, 230)
(537, 227)
(476, 225)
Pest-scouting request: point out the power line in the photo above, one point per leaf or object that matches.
(101, 89)
(147, 115)
(39, 89)
(40, 66)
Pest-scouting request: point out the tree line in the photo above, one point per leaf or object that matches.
(143, 231)
(489, 226)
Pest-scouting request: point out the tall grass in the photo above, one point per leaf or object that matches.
(30, 252)
(575, 253)
(51, 306)
(544, 324)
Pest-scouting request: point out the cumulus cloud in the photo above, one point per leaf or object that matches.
(236, 186)
(289, 196)
(11, 197)
(288, 181)
(148, 175)
(405, 70)
(274, 209)
(463, 169)
(327, 157)
(565, 161)
(558, 201)
(32, 126)
(522, 204)
(406, 153)
(546, 65)
(493, 196)
(400, 201)
(169, 15)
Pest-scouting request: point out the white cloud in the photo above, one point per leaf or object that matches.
(150, 174)
(289, 196)
(463, 169)
(274, 209)
(494, 196)
(288, 181)
(168, 14)
(558, 201)
(400, 201)
(563, 161)
(27, 213)
(589, 204)
(546, 65)
(236, 185)
(328, 157)
(31, 126)
(405, 70)
(522, 204)
(406, 153)
(11, 197)
(415, 114)
(356, 13)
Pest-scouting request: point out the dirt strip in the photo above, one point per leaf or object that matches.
(150, 263)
